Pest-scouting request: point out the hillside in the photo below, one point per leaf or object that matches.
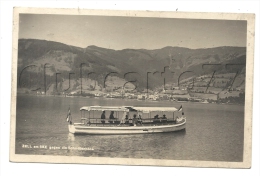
(93, 63)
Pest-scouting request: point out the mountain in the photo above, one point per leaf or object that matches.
(94, 63)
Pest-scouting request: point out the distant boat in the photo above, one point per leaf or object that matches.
(182, 100)
(117, 125)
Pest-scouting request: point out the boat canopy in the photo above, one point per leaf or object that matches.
(104, 108)
(155, 109)
(129, 109)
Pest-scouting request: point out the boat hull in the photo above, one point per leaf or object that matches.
(81, 129)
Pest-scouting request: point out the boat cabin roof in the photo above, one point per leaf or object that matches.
(155, 109)
(129, 109)
(104, 108)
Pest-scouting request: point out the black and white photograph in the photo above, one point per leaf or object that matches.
(132, 88)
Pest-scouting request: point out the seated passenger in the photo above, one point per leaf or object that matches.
(164, 118)
(139, 120)
(134, 121)
(126, 119)
(111, 117)
(156, 118)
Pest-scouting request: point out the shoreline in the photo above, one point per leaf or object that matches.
(127, 99)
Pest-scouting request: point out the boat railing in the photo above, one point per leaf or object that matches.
(118, 121)
(124, 119)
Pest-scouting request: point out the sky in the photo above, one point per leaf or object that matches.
(132, 32)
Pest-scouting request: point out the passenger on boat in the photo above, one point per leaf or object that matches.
(103, 116)
(139, 121)
(164, 118)
(126, 119)
(111, 117)
(156, 118)
(134, 121)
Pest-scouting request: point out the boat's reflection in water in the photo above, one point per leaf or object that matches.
(71, 137)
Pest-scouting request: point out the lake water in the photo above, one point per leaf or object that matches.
(213, 132)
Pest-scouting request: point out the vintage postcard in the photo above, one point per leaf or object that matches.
(132, 87)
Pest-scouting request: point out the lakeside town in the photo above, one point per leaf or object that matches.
(157, 96)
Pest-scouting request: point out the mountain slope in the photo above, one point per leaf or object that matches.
(95, 63)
